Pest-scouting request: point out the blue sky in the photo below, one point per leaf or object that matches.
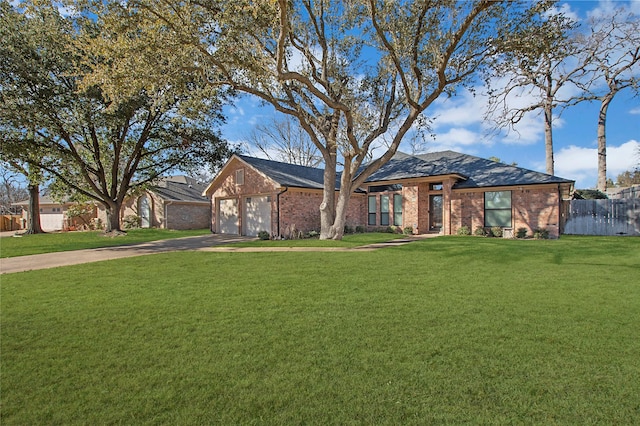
(459, 126)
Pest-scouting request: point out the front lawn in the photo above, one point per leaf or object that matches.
(445, 330)
(65, 241)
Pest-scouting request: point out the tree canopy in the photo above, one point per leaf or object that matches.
(97, 137)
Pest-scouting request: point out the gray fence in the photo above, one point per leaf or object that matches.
(603, 217)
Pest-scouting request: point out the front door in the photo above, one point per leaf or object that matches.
(144, 211)
(435, 213)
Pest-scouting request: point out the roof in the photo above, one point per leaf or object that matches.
(474, 172)
(287, 174)
(180, 188)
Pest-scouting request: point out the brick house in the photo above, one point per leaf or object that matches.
(175, 202)
(435, 192)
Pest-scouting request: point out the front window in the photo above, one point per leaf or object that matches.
(397, 209)
(372, 210)
(497, 209)
(384, 210)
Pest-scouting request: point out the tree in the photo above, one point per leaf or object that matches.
(538, 62)
(11, 189)
(613, 52)
(99, 146)
(284, 140)
(348, 72)
(628, 178)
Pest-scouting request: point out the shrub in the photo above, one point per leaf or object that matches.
(408, 230)
(131, 221)
(464, 230)
(361, 229)
(540, 234)
(479, 231)
(312, 234)
(348, 229)
(264, 235)
(496, 231)
(390, 230)
(521, 233)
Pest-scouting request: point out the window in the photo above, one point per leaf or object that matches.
(397, 209)
(372, 210)
(497, 209)
(240, 177)
(384, 210)
(435, 186)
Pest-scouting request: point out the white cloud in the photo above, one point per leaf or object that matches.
(581, 164)
(635, 111)
(461, 110)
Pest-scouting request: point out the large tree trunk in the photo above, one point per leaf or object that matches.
(548, 137)
(602, 143)
(113, 218)
(33, 225)
(328, 205)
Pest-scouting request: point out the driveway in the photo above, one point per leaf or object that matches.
(66, 258)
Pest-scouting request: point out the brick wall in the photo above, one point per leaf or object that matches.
(188, 216)
(532, 208)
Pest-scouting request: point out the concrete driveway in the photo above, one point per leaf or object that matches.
(66, 258)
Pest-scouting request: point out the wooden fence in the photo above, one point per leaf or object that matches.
(602, 217)
(9, 222)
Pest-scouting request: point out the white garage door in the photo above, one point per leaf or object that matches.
(257, 215)
(228, 216)
(51, 221)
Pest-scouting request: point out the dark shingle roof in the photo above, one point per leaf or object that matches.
(288, 174)
(476, 172)
(180, 188)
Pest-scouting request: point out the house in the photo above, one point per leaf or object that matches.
(175, 202)
(53, 214)
(436, 192)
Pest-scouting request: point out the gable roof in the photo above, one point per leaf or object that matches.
(287, 174)
(180, 188)
(474, 172)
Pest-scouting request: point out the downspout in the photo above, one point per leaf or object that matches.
(286, 188)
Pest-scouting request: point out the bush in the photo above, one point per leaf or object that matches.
(464, 230)
(479, 231)
(496, 231)
(131, 221)
(264, 235)
(541, 234)
(361, 229)
(312, 234)
(390, 230)
(521, 233)
(408, 230)
(348, 229)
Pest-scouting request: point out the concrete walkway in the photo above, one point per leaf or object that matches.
(211, 242)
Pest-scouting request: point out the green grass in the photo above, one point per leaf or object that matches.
(349, 240)
(445, 330)
(65, 241)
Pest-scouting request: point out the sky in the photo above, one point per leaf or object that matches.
(458, 125)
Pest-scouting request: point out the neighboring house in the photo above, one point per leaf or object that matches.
(176, 202)
(53, 214)
(436, 192)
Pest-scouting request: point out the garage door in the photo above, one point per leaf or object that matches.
(51, 221)
(257, 215)
(228, 216)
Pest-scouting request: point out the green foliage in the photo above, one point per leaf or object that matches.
(479, 231)
(589, 194)
(361, 229)
(540, 234)
(131, 221)
(464, 230)
(348, 229)
(496, 231)
(264, 235)
(408, 230)
(157, 340)
(521, 233)
(628, 178)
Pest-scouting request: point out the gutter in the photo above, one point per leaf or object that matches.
(286, 188)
